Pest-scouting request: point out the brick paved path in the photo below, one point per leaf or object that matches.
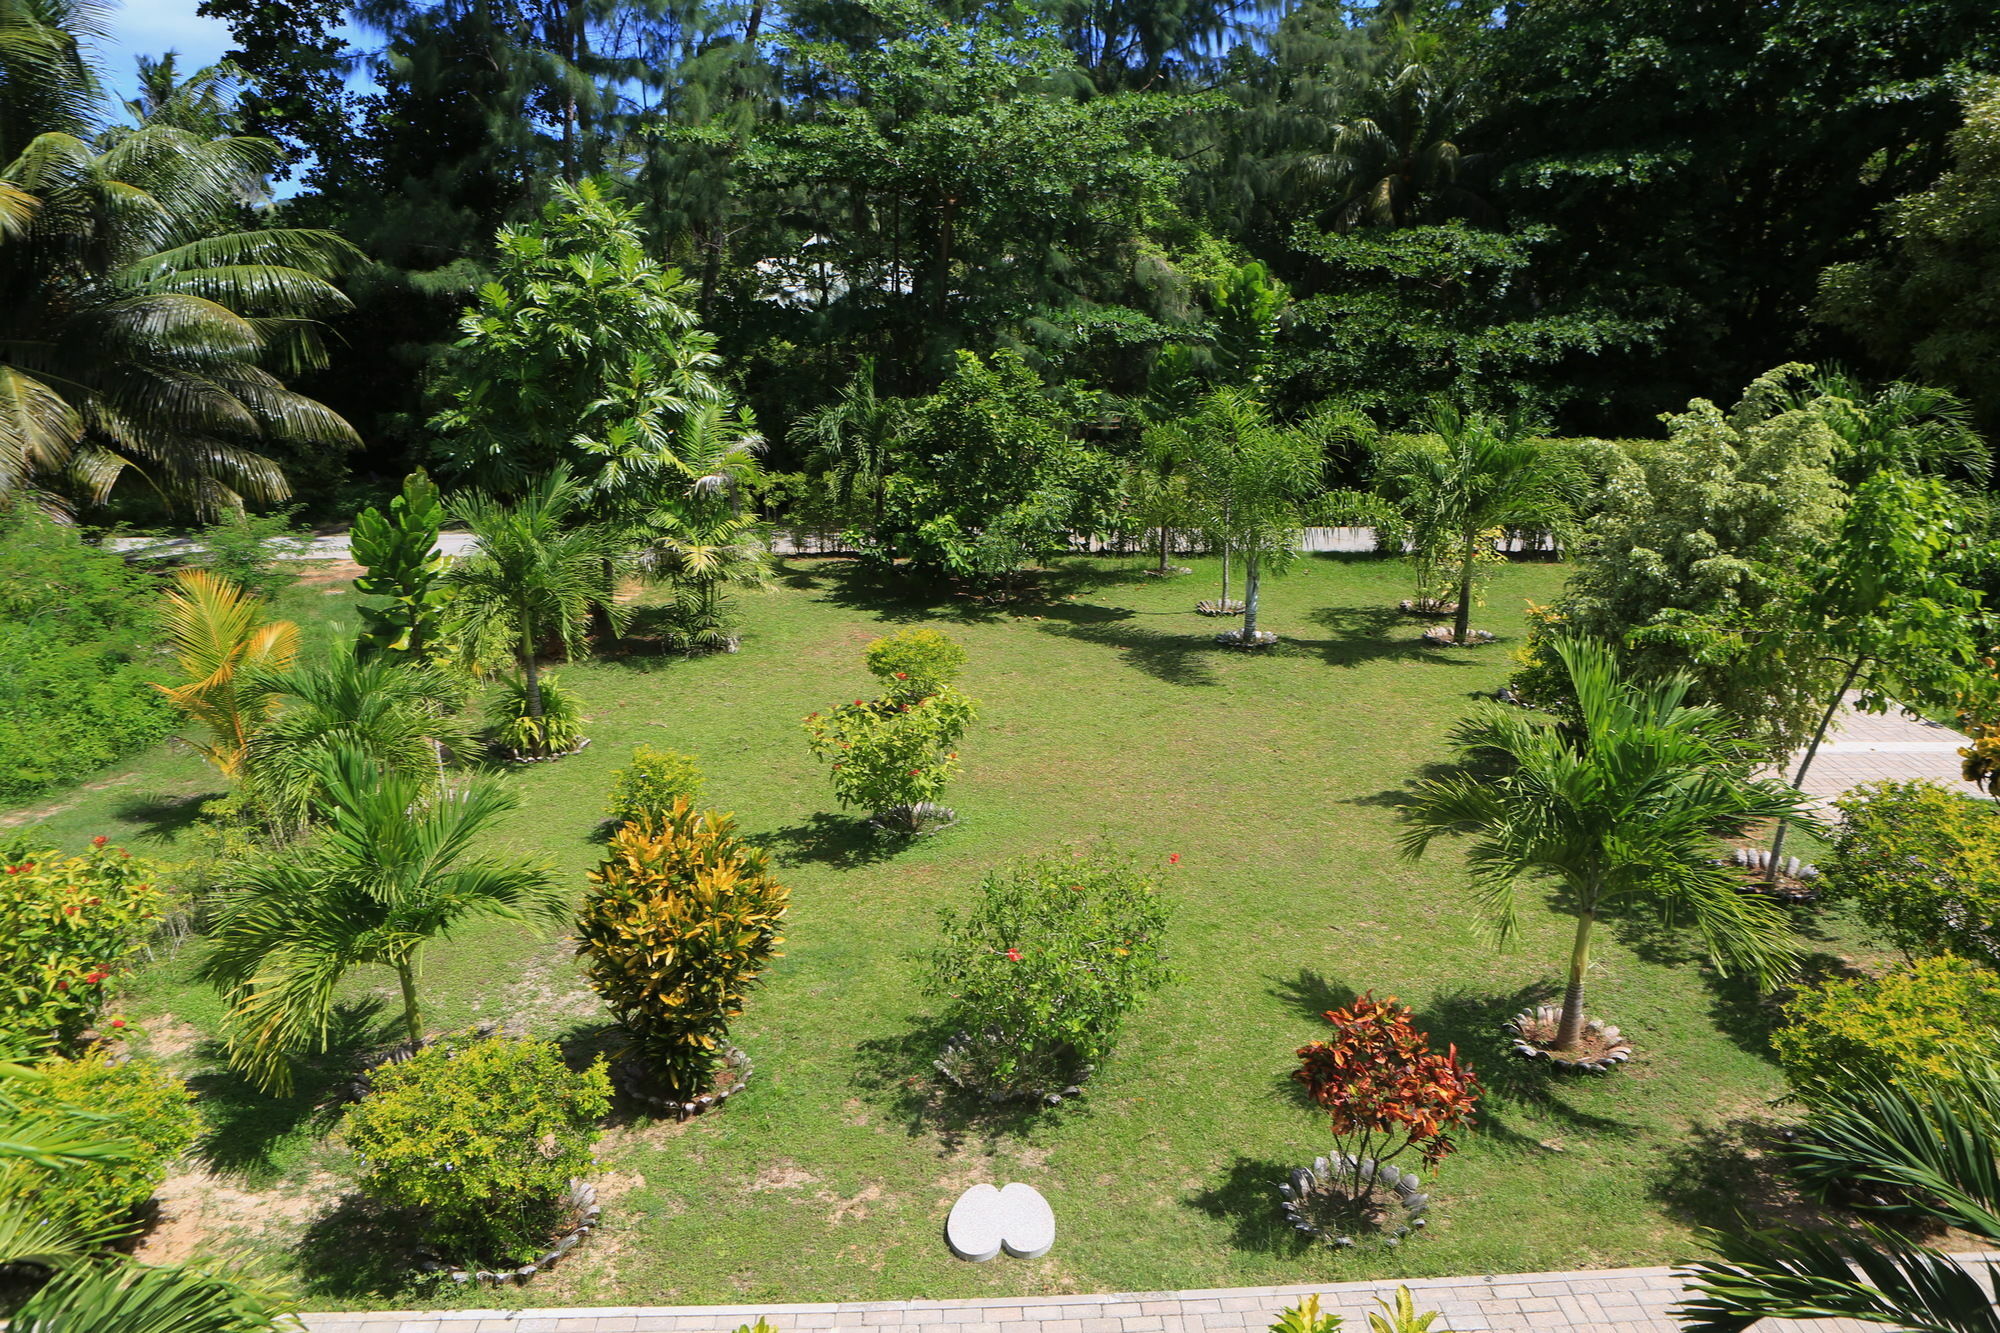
(1618, 1300)
(1878, 747)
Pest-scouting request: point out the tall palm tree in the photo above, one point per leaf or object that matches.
(1627, 808)
(537, 571)
(401, 715)
(387, 874)
(143, 330)
(1927, 1143)
(850, 441)
(1470, 475)
(47, 83)
(220, 639)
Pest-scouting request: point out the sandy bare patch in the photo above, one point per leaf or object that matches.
(550, 990)
(167, 1036)
(857, 1207)
(782, 1175)
(197, 1213)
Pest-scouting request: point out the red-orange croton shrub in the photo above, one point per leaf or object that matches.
(1386, 1092)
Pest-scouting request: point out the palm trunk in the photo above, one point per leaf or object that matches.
(1250, 596)
(1812, 749)
(412, 1017)
(600, 614)
(1570, 1031)
(1165, 540)
(1225, 576)
(1461, 625)
(530, 670)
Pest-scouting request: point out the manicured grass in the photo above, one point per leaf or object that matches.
(1105, 713)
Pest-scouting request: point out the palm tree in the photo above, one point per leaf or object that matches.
(398, 714)
(1928, 1144)
(1470, 476)
(850, 440)
(141, 329)
(47, 83)
(534, 574)
(1629, 807)
(220, 640)
(387, 874)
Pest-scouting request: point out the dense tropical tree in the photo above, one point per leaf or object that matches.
(538, 572)
(389, 872)
(1471, 479)
(851, 440)
(1926, 1143)
(1626, 808)
(220, 640)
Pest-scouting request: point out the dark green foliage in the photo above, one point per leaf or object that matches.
(76, 636)
(399, 549)
(256, 552)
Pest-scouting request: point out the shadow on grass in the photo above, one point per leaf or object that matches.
(903, 598)
(1181, 655)
(1247, 1199)
(359, 1248)
(1362, 636)
(164, 815)
(842, 841)
(1472, 1021)
(898, 1073)
(1312, 994)
(1729, 1174)
(247, 1125)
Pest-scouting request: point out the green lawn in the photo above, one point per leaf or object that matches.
(1105, 712)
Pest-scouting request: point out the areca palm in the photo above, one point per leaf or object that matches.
(1627, 808)
(1470, 475)
(220, 639)
(387, 874)
(141, 329)
(399, 714)
(537, 571)
(1927, 1143)
(46, 82)
(850, 440)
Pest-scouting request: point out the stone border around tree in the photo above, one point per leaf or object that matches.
(962, 1041)
(516, 757)
(1233, 638)
(1521, 1025)
(1216, 607)
(1319, 1177)
(582, 1197)
(631, 1080)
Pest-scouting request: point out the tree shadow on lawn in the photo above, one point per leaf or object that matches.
(1363, 637)
(246, 1124)
(902, 599)
(1473, 1021)
(1733, 1174)
(1177, 658)
(1248, 1199)
(360, 1248)
(898, 1073)
(164, 815)
(844, 842)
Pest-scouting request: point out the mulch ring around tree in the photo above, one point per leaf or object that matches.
(1598, 1050)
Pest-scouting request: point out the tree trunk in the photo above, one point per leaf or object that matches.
(601, 627)
(1250, 596)
(1166, 538)
(1570, 1032)
(1812, 749)
(1225, 576)
(412, 1018)
(1461, 625)
(530, 670)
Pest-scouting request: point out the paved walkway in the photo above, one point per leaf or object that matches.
(1619, 1300)
(1881, 747)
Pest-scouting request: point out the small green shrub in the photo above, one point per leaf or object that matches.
(1306, 1317)
(915, 663)
(77, 634)
(1925, 1018)
(68, 927)
(886, 754)
(559, 730)
(135, 1101)
(676, 926)
(484, 1135)
(1042, 971)
(257, 552)
(649, 786)
(1921, 864)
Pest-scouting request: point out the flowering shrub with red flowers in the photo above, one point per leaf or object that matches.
(1041, 972)
(1386, 1092)
(915, 663)
(68, 926)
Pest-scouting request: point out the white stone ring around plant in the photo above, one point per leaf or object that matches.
(985, 1221)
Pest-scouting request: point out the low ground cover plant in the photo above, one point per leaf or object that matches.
(679, 922)
(1040, 973)
(482, 1136)
(70, 927)
(556, 730)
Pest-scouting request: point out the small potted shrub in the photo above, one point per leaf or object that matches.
(527, 737)
(488, 1139)
(68, 927)
(1387, 1095)
(894, 756)
(649, 786)
(1041, 972)
(678, 924)
(132, 1101)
